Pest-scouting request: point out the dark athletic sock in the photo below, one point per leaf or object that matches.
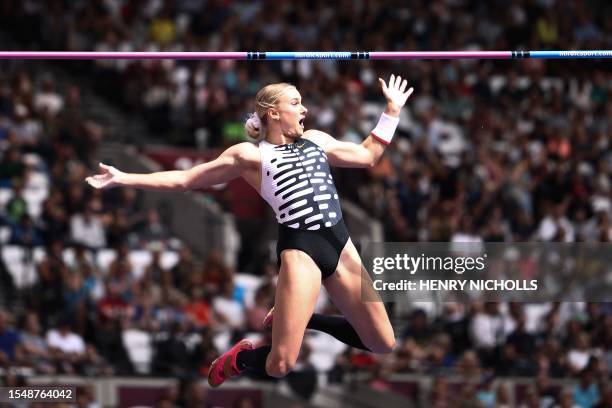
(253, 360)
(338, 327)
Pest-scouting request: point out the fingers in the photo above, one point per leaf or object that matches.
(396, 85)
(105, 167)
(92, 182)
(97, 180)
(383, 85)
(395, 82)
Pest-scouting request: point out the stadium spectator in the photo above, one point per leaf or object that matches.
(36, 351)
(87, 228)
(486, 330)
(10, 341)
(68, 348)
(586, 392)
(184, 273)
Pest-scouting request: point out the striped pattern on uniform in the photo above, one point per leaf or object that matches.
(297, 183)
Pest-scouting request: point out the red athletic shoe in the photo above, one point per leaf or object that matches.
(224, 367)
(269, 317)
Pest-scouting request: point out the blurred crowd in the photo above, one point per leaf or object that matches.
(91, 283)
(484, 341)
(486, 151)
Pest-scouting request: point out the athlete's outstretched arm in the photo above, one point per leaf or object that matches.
(367, 154)
(224, 168)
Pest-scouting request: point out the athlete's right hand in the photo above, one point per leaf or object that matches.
(107, 178)
(396, 97)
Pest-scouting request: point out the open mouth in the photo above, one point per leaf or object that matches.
(301, 122)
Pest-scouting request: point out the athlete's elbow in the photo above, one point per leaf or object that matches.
(184, 182)
(372, 161)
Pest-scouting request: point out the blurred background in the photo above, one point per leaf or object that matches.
(129, 295)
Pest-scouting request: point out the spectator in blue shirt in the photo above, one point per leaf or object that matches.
(9, 339)
(586, 393)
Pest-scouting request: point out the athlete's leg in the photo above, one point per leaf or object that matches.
(336, 326)
(369, 319)
(299, 283)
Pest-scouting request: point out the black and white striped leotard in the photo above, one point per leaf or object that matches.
(298, 185)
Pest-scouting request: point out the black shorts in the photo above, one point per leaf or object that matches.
(324, 246)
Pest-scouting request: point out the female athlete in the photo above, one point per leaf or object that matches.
(289, 167)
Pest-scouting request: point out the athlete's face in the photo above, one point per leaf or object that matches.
(290, 113)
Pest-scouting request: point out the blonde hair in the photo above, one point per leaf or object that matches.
(266, 98)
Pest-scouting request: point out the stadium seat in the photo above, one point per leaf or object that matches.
(68, 256)
(169, 259)
(5, 195)
(39, 255)
(5, 234)
(22, 270)
(104, 257)
(139, 259)
(35, 193)
(250, 283)
(138, 346)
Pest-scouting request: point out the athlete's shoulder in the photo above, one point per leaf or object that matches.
(311, 134)
(245, 151)
(319, 137)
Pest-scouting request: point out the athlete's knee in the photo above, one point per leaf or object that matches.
(279, 369)
(388, 345)
(382, 345)
(279, 364)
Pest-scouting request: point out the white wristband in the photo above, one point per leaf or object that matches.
(384, 130)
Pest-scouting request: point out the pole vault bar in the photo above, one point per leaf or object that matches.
(306, 55)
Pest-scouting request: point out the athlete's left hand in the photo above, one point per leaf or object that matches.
(396, 97)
